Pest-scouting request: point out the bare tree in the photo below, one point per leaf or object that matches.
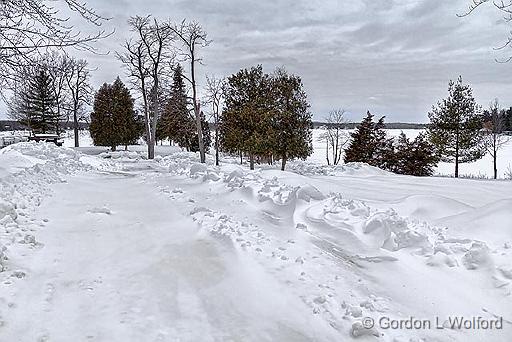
(77, 79)
(215, 96)
(29, 27)
(55, 65)
(58, 67)
(148, 59)
(192, 36)
(494, 137)
(335, 135)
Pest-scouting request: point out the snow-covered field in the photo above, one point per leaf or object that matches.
(99, 246)
(482, 168)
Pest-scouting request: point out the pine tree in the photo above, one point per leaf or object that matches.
(368, 143)
(245, 121)
(402, 150)
(291, 119)
(36, 103)
(415, 158)
(507, 124)
(176, 123)
(455, 126)
(114, 121)
(127, 122)
(424, 156)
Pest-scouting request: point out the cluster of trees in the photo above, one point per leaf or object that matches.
(263, 117)
(458, 132)
(462, 132)
(266, 117)
(370, 144)
(150, 57)
(53, 88)
(49, 86)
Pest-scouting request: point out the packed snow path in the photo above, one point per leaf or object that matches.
(120, 263)
(124, 249)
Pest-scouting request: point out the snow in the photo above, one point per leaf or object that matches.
(110, 246)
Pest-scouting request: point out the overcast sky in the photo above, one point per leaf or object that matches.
(392, 57)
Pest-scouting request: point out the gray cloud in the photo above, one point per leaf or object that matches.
(394, 58)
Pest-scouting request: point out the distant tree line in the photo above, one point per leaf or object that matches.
(459, 132)
(260, 117)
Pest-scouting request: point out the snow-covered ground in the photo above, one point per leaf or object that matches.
(99, 246)
(482, 168)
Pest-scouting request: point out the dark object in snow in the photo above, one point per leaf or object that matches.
(54, 138)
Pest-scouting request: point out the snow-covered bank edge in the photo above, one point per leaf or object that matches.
(30, 170)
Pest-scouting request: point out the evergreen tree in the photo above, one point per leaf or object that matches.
(176, 122)
(36, 104)
(368, 143)
(416, 158)
(114, 121)
(291, 119)
(402, 149)
(246, 119)
(507, 124)
(455, 126)
(385, 156)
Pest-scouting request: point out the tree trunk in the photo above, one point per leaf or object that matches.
(151, 151)
(216, 141)
(147, 124)
(456, 166)
(495, 157)
(75, 126)
(126, 147)
(457, 156)
(241, 158)
(156, 110)
(327, 152)
(283, 163)
(113, 148)
(251, 161)
(197, 110)
(336, 149)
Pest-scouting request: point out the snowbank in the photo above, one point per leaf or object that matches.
(389, 250)
(28, 170)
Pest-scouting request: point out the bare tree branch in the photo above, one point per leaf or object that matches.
(503, 6)
(214, 96)
(335, 136)
(192, 36)
(148, 59)
(29, 28)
